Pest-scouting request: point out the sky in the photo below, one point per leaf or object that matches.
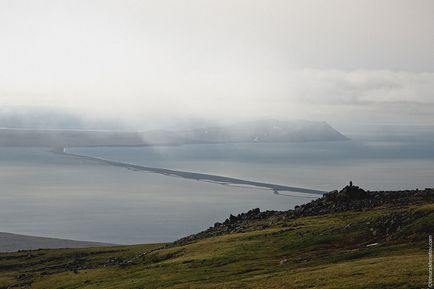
(145, 62)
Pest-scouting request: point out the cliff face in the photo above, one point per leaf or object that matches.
(350, 198)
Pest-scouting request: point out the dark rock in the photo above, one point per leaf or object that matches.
(353, 193)
(24, 276)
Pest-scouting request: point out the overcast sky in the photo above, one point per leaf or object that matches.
(333, 60)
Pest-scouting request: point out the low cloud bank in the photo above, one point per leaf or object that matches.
(330, 95)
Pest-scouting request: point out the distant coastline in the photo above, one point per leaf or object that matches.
(265, 131)
(13, 242)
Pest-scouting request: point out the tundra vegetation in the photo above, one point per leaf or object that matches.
(346, 239)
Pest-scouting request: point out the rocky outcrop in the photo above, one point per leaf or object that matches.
(350, 198)
(348, 193)
(353, 198)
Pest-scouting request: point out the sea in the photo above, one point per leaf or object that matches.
(43, 193)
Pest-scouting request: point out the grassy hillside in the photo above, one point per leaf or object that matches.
(333, 250)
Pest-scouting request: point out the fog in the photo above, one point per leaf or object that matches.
(149, 64)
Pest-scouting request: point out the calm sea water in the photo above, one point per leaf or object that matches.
(46, 194)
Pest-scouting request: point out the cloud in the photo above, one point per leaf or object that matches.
(331, 95)
(365, 87)
(142, 61)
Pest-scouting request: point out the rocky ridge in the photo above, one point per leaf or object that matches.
(350, 198)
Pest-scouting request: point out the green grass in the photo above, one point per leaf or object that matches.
(322, 252)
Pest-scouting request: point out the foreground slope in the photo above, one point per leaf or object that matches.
(343, 240)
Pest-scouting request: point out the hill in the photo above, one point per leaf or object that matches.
(264, 131)
(346, 239)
